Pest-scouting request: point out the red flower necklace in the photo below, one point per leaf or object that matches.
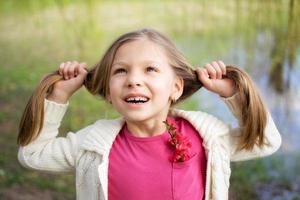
(180, 143)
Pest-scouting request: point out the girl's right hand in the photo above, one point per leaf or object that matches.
(74, 74)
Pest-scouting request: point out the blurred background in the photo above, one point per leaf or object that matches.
(260, 36)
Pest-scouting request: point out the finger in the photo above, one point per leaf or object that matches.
(82, 69)
(83, 66)
(71, 70)
(65, 70)
(77, 68)
(218, 70)
(203, 77)
(211, 71)
(205, 72)
(61, 67)
(223, 67)
(202, 73)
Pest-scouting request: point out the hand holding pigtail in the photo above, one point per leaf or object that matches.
(214, 78)
(58, 85)
(226, 81)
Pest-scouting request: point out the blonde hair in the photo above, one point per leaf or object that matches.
(253, 111)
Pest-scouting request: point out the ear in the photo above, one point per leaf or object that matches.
(178, 88)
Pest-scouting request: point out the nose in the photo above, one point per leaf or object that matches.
(134, 80)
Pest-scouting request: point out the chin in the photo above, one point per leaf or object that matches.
(136, 117)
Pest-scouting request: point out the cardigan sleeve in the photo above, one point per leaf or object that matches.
(49, 152)
(272, 137)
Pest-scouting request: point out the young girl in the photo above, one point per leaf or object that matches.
(153, 151)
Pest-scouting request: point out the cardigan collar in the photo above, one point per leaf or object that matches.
(102, 135)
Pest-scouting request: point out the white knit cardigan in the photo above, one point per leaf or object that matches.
(87, 151)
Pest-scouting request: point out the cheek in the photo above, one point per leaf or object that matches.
(162, 88)
(114, 85)
(110, 86)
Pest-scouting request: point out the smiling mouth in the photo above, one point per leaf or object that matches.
(137, 100)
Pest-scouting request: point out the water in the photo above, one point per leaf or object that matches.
(281, 93)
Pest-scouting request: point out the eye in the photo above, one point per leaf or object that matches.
(150, 68)
(119, 70)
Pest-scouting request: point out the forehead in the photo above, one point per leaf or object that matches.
(141, 50)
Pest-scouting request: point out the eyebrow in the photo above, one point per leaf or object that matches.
(120, 63)
(144, 62)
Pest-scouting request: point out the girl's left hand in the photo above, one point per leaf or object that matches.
(211, 78)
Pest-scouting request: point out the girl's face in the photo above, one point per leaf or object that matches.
(142, 82)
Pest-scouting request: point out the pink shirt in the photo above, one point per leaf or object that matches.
(139, 167)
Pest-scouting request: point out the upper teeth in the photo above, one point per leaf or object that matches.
(136, 99)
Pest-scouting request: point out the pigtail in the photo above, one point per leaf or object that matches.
(253, 112)
(33, 116)
(95, 82)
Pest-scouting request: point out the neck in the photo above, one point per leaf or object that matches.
(147, 128)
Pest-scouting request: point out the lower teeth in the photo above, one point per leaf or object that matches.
(137, 102)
